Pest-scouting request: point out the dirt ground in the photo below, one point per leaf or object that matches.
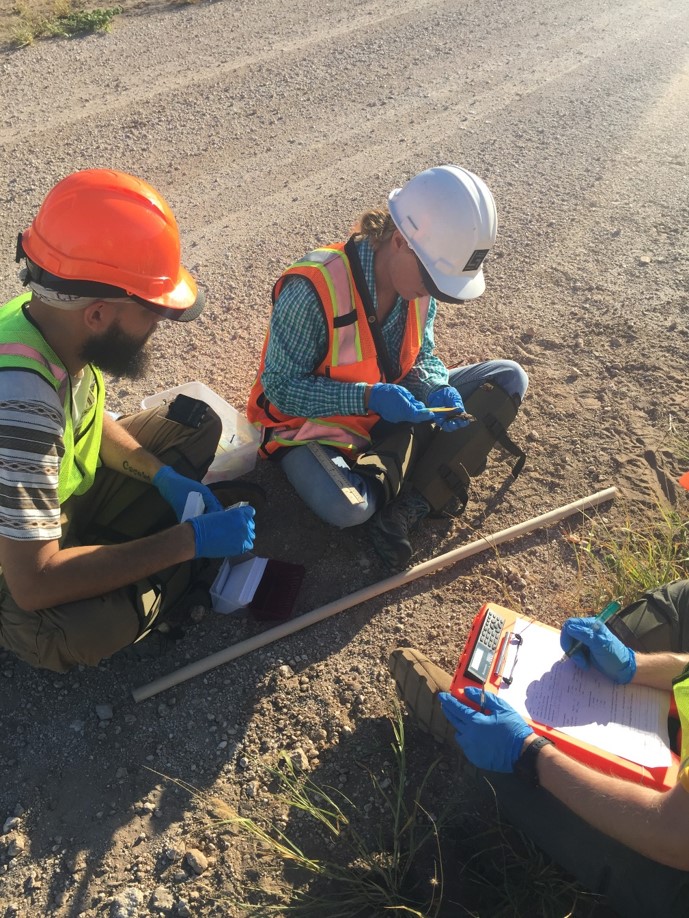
(269, 128)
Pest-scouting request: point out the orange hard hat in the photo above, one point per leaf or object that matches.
(684, 481)
(107, 234)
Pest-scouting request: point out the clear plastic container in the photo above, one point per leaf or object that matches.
(239, 441)
(234, 587)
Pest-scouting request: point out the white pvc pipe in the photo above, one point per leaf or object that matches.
(375, 589)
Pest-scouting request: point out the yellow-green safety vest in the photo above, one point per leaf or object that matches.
(22, 346)
(681, 690)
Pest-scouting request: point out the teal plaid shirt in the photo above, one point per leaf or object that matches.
(299, 338)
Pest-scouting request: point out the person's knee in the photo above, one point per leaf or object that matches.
(212, 425)
(87, 632)
(343, 515)
(514, 379)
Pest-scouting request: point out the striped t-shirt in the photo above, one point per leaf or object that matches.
(32, 425)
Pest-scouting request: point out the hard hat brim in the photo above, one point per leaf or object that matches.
(183, 304)
(465, 288)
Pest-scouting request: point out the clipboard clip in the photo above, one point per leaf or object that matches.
(512, 637)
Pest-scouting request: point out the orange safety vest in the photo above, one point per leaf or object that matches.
(351, 356)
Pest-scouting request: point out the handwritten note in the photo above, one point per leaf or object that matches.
(627, 720)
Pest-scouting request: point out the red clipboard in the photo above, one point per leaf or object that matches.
(661, 778)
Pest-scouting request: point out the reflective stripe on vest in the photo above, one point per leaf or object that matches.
(351, 355)
(23, 347)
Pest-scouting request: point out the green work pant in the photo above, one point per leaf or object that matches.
(115, 509)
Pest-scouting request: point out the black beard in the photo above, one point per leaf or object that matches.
(117, 353)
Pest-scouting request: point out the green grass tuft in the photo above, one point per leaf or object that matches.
(621, 562)
(367, 875)
(62, 20)
(79, 22)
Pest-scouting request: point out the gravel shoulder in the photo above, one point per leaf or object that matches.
(269, 129)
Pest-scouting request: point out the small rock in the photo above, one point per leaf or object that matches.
(197, 860)
(533, 436)
(16, 846)
(174, 852)
(183, 909)
(104, 712)
(251, 789)
(11, 823)
(161, 900)
(127, 903)
(299, 759)
(197, 614)
(645, 260)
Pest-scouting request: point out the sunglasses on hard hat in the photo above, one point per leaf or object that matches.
(431, 287)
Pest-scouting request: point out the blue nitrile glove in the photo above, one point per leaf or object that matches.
(175, 488)
(603, 650)
(225, 534)
(395, 404)
(490, 741)
(447, 397)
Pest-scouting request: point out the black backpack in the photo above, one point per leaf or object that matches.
(453, 458)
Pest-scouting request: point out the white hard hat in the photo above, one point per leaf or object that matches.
(448, 216)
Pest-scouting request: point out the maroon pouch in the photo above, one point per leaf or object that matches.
(277, 591)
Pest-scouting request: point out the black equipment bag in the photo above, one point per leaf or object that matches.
(453, 458)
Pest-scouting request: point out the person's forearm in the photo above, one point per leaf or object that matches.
(87, 571)
(657, 670)
(314, 396)
(650, 822)
(122, 453)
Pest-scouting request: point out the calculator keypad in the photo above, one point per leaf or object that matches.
(486, 645)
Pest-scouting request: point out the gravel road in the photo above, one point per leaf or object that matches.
(269, 127)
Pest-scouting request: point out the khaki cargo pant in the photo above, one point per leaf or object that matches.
(115, 509)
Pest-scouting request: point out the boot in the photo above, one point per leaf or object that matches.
(418, 682)
(390, 527)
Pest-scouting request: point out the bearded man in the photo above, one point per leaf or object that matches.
(93, 551)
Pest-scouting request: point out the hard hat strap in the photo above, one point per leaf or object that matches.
(88, 289)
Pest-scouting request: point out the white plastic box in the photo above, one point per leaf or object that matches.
(239, 441)
(235, 586)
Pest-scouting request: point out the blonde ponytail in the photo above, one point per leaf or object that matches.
(376, 226)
